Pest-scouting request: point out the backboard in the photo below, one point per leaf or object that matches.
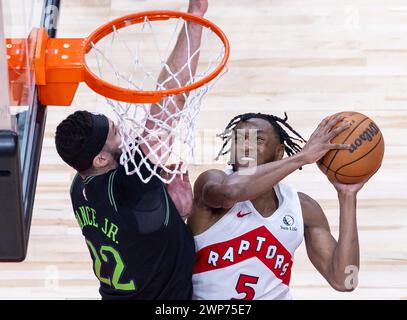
(22, 122)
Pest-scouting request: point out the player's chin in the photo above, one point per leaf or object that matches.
(246, 162)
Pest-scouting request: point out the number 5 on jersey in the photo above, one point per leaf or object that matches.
(243, 286)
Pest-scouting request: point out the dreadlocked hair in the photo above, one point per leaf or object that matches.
(71, 134)
(279, 125)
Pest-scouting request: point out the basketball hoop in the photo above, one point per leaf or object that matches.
(129, 88)
(147, 18)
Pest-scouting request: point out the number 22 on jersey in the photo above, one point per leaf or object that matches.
(118, 270)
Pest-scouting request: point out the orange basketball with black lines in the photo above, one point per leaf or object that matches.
(365, 155)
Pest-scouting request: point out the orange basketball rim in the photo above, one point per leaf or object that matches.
(60, 63)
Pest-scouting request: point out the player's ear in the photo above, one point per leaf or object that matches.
(101, 160)
(279, 154)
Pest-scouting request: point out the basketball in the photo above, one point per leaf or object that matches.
(363, 158)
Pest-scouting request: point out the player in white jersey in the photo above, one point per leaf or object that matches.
(247, 224)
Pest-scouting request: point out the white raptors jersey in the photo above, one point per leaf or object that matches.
(247, 256)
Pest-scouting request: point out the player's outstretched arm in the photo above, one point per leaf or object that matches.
(189, 40)
(337, 261)
(215, 189)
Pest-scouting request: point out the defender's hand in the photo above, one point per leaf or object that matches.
(319, 142)
(180, 191)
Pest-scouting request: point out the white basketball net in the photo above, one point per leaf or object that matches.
(132, 58)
